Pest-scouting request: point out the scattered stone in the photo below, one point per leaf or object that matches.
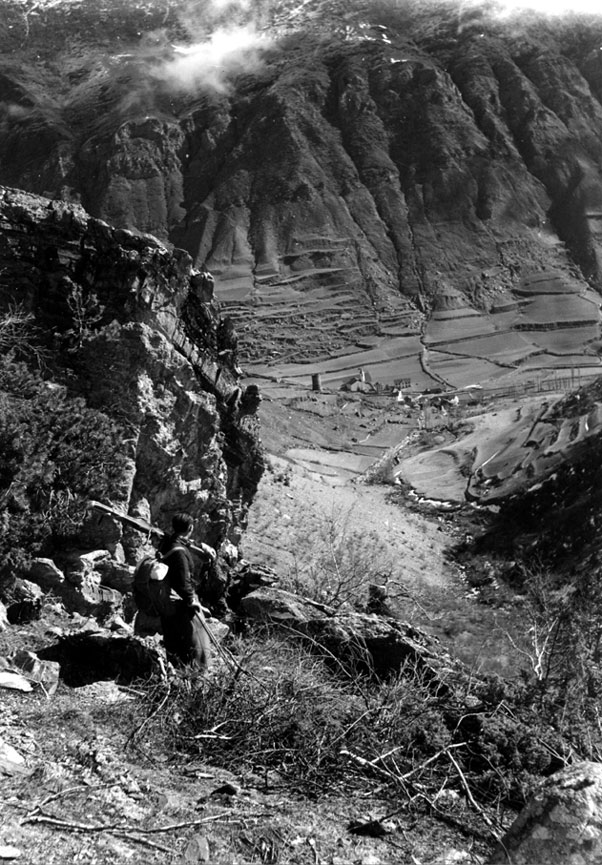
(229, 552)
(199, 770)
(26, 605)
(454, 857)
(43, 673)
(562, 823)
(14, 682)
(56, 607)
(104, 692)
(132, 788)
(219, 630)
(79, 567)
(85, 624)
(118, 626)
(11, 762)
(120, 851)
(448, 798)
(372, 828)
(225, 790)
(197, 850)
(90, 598)
(46, 574)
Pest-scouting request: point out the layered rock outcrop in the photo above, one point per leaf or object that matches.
(133, 328)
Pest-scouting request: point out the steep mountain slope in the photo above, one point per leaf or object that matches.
(344, 170)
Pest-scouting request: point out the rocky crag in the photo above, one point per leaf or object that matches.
(135, 331)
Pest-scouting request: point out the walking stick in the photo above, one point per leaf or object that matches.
(147, 529)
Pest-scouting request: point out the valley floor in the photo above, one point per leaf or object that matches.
(319, 521)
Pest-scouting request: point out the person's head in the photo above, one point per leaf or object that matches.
(251, 398)
(182, 524)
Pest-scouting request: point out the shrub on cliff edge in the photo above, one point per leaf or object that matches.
(55, 453)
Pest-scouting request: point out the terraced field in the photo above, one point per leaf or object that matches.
(507, 450)
(550, 323)
(547, 330)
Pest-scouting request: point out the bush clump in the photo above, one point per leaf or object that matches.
(288, 712)
(55, 453)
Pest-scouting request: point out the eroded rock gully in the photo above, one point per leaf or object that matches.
(366, 161)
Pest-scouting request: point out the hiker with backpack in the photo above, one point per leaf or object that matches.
(184, 630)
(164, 589)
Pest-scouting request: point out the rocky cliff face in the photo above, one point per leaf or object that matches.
(375, 156)
(135, 330)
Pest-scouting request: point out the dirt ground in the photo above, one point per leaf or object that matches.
(91, 789)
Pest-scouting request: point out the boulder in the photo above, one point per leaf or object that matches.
(116, 575)
(14, 681)
(101, 531)
(26, 603)
(11, 761)
(562, 823)
(371, 642)
(117, 625)
(90, 598)
(83, 567)
(229, 552)
(86, 583)
(4, 623)
(26, 590)
(88, 656)
(246, 578)
(196, 851)
(46, 574)
(42, 673)
(275, 606)
(7, 851)
(219, 630)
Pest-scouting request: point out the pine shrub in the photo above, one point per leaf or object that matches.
(55, 454)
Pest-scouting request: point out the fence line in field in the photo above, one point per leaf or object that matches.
(479, 395)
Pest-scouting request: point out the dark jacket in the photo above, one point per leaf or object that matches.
(180, 568)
